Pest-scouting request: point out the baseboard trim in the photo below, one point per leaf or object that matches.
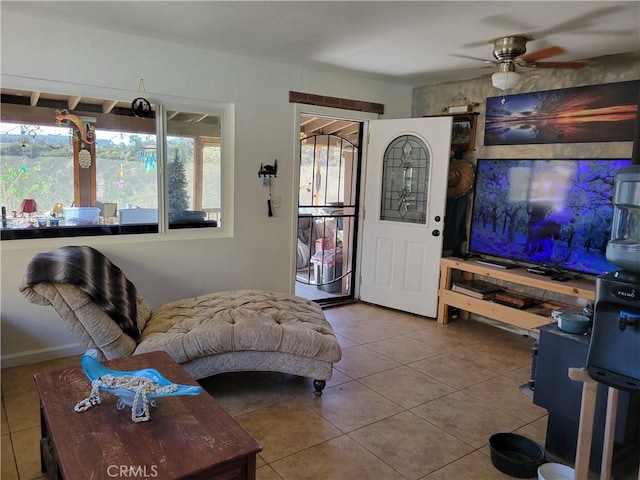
(40, 355)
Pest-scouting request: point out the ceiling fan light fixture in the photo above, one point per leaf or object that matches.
(507, 77)
(505, 80)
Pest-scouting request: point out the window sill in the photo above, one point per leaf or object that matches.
(193, 224)
(82, 231)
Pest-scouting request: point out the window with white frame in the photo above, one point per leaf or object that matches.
(77, 166)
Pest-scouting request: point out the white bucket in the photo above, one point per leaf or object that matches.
(555, 471)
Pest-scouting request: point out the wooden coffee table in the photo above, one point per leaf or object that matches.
(187, 437)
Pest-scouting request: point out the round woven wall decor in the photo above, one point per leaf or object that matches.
(461, 178)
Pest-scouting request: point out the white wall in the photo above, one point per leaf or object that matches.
(259, 255)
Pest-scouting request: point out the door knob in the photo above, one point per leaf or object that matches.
(436, 233)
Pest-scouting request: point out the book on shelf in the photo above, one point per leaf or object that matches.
(515, 300)
(477, 288)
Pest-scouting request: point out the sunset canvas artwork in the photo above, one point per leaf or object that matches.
(597, 113)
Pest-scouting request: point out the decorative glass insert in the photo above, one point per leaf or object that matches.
(327, 206)
(405, 180)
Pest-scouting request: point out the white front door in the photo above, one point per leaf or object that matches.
(405, 197)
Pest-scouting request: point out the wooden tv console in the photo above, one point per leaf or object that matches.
(528, 319)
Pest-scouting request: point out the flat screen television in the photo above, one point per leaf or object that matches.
(545, 212)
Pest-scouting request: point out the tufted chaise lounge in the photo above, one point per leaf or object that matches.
(242, 330)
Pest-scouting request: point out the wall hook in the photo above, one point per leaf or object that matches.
(269, 170)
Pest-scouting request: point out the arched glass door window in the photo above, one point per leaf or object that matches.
(405, 180)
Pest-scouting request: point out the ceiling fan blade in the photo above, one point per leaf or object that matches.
(477, 67)
(574, 65)
(499, 21)
(606, 33)
(580, 22)
(542, 54)
(578, 25)
(484, 60)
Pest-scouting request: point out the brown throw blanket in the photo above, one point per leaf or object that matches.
(94, 274)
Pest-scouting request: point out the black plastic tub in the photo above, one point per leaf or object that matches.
(515, 455)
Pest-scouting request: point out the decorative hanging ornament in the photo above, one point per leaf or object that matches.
(148, 157)
(140, 106)
(84, 158)
(121, 182)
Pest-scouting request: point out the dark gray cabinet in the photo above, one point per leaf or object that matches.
(561, 397)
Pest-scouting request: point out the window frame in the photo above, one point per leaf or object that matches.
(163, 103)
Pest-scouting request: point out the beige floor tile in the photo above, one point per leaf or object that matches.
(399, 323)
(406, 387)
(504, 394)
(5, 422)
(352, 313)
(8, 468)
(470, 331)
(453, 370)
(541, 423)
(471, 421)
(410, 445)
(410, 323)
(286, 429)
(23, 410)
(370, 311)
(20, 379)
(351, 406)
(522, 374)
(337, 378)
(345, 342)
(267, 473)
(518, 345)
(486, 333)
(403, 349)
(439, 340)
(339, 459)
(364, 332)
(492, 357)
(532, 432)
(485, 450)
(341, 315)
(26, 446)
(475, 466)
(361, 361)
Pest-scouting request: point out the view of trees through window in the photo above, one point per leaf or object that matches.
(126, 171)
(322, 174)
(116, 166)
(39, 165)
(34, 165)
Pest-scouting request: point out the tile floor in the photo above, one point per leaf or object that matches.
(410, 399)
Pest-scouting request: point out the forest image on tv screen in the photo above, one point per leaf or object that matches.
(556, 213)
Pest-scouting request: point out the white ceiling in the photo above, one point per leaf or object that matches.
(412, 43)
